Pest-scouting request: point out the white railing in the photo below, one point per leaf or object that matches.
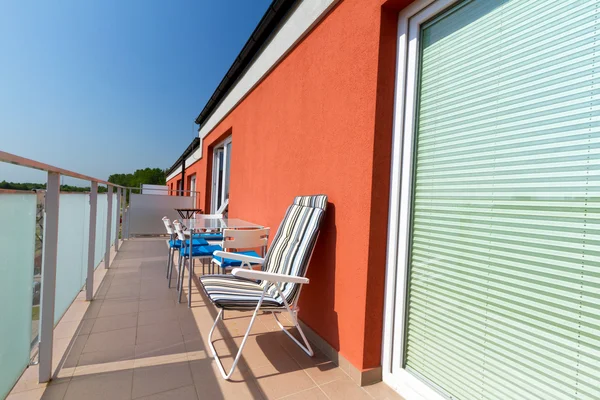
(80, 210)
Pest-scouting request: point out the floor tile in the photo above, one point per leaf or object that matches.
(105, 324)
(110, 340)
(184, 393)
(153, 305)
(158, 353)
(310, 394)
(50, 392)
(280, 382)
(107, 356)
(114, 307)
(157, 316)
(169, 331)
(148, 380)
(345, 389)
(211, 385)
(66, 329)
(381, 391)
(103, 386)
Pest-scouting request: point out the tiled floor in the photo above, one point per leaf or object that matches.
(134, 341)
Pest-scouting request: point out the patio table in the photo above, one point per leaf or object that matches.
(210, 223)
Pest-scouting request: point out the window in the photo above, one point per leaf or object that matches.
(220, 175)
(498, 273)
(193, 188)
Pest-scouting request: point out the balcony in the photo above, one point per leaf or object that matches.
(125, 336)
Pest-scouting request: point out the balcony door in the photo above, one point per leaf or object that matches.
(221, 172)
(493, 283)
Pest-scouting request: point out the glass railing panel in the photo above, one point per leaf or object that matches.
(17, 247)
(100, 228)
(115, 219)
(73, 226)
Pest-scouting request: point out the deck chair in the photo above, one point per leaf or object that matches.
(276, 287)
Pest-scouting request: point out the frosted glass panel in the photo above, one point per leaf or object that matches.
(73, 225)
(101, 228)
(115, 218)
(17, 246)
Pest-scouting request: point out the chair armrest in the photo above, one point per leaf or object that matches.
(239, 257)
(267, 276)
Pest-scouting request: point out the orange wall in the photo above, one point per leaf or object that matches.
(321, 122)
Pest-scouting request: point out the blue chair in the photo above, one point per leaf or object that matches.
(187, 254)
(175, 244)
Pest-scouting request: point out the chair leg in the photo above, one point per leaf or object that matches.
(181, 277)
(190, 272)
(170, 263)
(179, 261)
(306, 346)
(170, 271)
(168, 260)
(227, 375)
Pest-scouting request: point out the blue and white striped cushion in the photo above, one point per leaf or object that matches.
(288, 254)
(230, 292)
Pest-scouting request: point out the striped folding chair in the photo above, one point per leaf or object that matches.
(276, 287)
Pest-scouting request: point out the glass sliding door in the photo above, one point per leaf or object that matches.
(220, 176)
(502, 215)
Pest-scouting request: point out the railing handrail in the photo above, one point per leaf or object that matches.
(26, 162)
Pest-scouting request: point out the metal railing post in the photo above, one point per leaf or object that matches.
(89, 282)
(127, 215)
(49, 276)
(108, 227)
(118, 219)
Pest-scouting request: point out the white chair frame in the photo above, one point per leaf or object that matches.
(171, 232)
(276, 279)
(243, 239)
(190, 263)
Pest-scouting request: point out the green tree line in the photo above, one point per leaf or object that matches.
(42, 186)
(150, 176)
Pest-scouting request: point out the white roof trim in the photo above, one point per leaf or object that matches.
(299, 23)
(173, 174)
(195, 156)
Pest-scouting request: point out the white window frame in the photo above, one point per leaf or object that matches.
(193, 188)
(216, 186)
(394, 330)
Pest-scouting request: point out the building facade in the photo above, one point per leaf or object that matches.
(457, 142)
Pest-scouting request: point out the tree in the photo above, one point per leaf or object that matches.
(149, 176)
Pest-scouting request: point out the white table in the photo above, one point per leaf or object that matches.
(201, 223)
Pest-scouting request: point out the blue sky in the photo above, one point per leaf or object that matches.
(101, 87)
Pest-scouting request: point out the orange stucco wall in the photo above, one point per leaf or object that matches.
(321, 122)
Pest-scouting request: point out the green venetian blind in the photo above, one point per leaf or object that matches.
(504, 292)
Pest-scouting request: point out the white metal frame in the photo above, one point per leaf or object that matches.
(193, 188)
(49, 276)
(108, 227)
(394, 329)
(218, 185)
(189, 259)
(243, 239)
(89, 282)
(291, 310)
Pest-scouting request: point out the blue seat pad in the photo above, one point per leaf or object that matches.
(200, 251)
(228, 262)
(196, 242)
(208, 236)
